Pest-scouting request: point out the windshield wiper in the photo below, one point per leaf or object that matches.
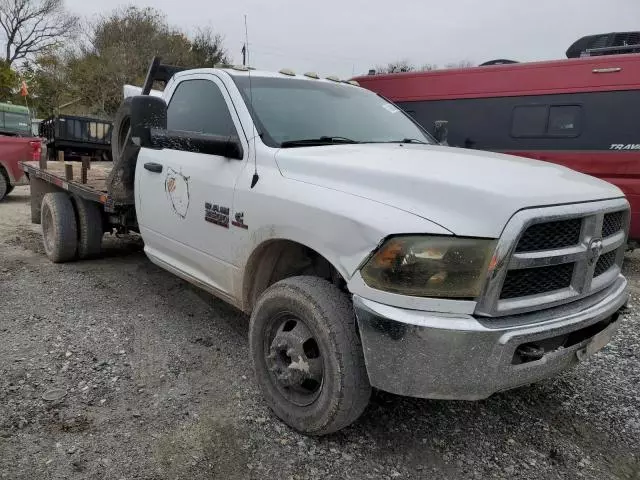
(324, 140)
(408, 140)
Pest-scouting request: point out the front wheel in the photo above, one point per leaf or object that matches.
(307, 355)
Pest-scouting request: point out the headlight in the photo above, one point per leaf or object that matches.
(426, 266)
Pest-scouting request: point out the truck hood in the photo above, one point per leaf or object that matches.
(468, 192)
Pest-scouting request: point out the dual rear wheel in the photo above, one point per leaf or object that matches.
(71, 227)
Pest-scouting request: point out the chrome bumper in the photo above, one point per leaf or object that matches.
(435, 355)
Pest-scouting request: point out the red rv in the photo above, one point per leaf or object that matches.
(581, 112)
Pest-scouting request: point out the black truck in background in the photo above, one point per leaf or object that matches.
(77, 137)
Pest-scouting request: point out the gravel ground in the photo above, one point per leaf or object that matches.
(115, 369)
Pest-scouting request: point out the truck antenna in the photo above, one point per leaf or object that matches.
(255, 178)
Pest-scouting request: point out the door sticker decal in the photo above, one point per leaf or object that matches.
(239, 221)
(216, 214)
(176, 186)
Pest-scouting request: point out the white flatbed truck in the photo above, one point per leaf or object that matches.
(366, 254)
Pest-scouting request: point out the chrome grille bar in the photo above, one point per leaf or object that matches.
(583, 256)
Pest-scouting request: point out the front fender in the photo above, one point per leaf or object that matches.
(343, 228)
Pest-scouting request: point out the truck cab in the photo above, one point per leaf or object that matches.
(17, 144)
(15, 120)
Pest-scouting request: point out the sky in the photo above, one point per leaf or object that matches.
(347, 37)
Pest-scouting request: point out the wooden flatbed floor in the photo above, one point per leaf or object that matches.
(96, 175)
(95, 189)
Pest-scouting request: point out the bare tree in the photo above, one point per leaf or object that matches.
(460, 64)
(396, 67)
(406, 66)
(32, 26)
(400, 66)
(427, 67)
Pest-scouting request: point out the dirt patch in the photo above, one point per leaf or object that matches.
(26, 238)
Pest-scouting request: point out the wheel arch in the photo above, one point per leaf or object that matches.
(275, 259)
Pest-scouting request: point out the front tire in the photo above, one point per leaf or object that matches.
(59, 230)
(307, 355)
(5, 187)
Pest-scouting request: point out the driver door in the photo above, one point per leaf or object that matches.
(184, 199)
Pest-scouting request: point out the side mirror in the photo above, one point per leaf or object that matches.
(441, 131)
(148, 114)
(229, 147)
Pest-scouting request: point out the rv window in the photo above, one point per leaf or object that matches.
(564, 120)
(529, 121)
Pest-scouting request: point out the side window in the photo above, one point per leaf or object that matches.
(529, 121)
(198, 106)
(546, 121)
(564, 120)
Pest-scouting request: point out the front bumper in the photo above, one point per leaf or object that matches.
(435, 355)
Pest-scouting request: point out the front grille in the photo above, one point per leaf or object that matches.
(605, 262)
(545, 255)
(533, 281)
(550, 235)
(612, 223)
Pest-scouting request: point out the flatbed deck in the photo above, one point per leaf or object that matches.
(94, 189)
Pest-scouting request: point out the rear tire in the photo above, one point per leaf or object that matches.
(307, 355)
(59, 229)
(4, 184)
(90, 229)
(121, 124)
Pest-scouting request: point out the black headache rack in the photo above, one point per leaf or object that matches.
(159, 72)
(119, 183)
(77, 136)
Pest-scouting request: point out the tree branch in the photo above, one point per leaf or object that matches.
(34, 25)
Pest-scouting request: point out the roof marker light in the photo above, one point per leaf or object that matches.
(353, 82)
(333, 78)
(286, 71)
(312, 75)
(241, 68)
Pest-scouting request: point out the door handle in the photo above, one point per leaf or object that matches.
(153, 167)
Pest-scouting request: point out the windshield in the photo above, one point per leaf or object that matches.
(16, 122)
(293, 112)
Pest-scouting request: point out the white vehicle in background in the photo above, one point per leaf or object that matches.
(366, 255)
